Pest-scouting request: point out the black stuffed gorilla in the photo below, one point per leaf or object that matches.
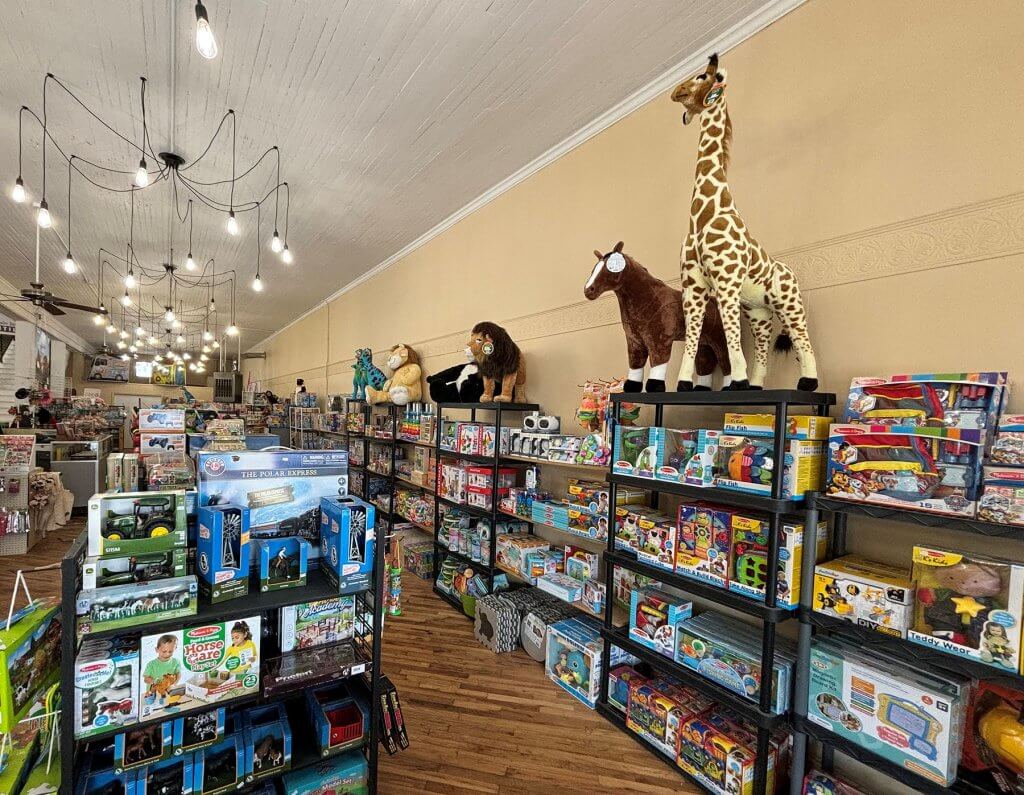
(459, 384)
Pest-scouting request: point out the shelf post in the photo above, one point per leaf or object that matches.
(609, 569)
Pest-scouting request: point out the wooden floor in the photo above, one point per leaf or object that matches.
(478, 722)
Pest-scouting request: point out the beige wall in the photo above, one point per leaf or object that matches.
(876, 150)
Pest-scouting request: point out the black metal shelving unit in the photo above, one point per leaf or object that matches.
(760, 713)
(366, 646)
(489, 569)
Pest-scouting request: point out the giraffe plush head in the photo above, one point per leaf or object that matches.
(701, 91)
(608, 273)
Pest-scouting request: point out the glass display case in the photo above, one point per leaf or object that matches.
(82, 466)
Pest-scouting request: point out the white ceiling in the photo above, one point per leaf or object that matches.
(391, 115)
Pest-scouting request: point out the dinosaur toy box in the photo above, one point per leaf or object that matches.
(106, 678)
(222, 552)
(204, 664)
(965, 401)
(866, 592)
(916, 467)
(912, 718)
(136, 522)
(29, 658)
(347, 541)
(573, 658)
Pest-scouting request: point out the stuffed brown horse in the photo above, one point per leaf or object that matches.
(652, 317)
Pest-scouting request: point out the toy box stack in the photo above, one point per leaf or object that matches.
(161, 430)
(866, 592)
(912, 718)
(480, 488)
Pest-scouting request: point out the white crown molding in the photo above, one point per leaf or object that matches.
(22, 310)
(743, 30)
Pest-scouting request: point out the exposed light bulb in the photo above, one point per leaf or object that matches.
(123, 334)
(175, 324)
(216, 344)
(232, 225)
(132, 349)
(111, 328)
(207, 336)
(192, 367)
(69, 264)
(125, 357)
(257, 284)
(142, 176)
(126, 300)
(179, 339)
(232, 330)
(152, 340)
(43, 216)
(140, 330)
(286, 256)
(275, 243)
(18, 191)
(129, 280)
(213, 305)
(205, 41)
(190, 264)
(169, 315)
(121, 344)
(186, 356)
(203, 357)
(206, 349)
(98, 319)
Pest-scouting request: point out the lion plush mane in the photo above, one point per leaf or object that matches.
(504, 359)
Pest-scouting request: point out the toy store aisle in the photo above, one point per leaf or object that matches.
(481, 722)
(50, 550)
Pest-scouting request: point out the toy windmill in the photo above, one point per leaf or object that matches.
(357, 536)
(232, 536)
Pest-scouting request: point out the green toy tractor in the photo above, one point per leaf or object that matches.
(151, 517)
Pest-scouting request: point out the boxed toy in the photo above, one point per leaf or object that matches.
(634, 450)
(700, 469)
(136, 522)
(728, 652)
(966, 401)
(798, 426)
(573, 658)
(593, 597)
(627, 525)
(921, 468)
(704, 543)
(340, 717)
(656, 543)
(480, 482)
(221, 767)
(125, 606)
(866, 592)
(106, 680)
(654, 616)
(675, 449)
(912, 718)
(317, 623)
(201, 730)
(511, 551)
(98, 782)
(130, 472)
(580, 564)
(1002, 498)
(115, 470)
(222, 552)
(969, 605)
(143, 746)
(174, 775)
(587, 525)
(619, 681)
(1008, 445)
(566, 588)
(543, 562)
(162, 420)
(283, 562)
(749, 570)
(126, 569)
(746, 463)
(592, 495)
(624, 582)
(346, 773)
(992, 739)
(657, 709)
(152, 442)
(722, 754)
(453, 483)
(347, 541)
(268, 742)
(204, 664)
(818, 783)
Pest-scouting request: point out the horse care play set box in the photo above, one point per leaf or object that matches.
(29, 658)
(222, 552)
(909, 717)
(347, 539)
(207, 664)
(137, 522)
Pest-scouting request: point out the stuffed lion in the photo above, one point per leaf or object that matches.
(500, 361)
(405, 384)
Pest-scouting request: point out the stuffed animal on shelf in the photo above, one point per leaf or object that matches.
(500, 361)
(458, 384)
(720, 259)
(652, 318)
(405, 385)
(365, 373)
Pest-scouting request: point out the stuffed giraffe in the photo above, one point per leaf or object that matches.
(720, 259)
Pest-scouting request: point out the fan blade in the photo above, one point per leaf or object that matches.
(69, 305)
(53, 309)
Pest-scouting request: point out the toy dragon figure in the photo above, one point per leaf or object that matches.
(365, 374)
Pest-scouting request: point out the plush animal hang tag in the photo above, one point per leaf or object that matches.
(714, 94)
(616, 262)
(487, 348)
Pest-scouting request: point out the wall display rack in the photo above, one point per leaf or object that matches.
(363, 655)
(302, 426)
(759, 714)
(489, 569)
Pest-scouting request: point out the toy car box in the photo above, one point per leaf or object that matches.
(866, 592)
(747, 463)
(721, 754)
(749, 558)
(106, 686)
(619, 681)
(136, 522)
(162, 420)
(143, 746)
(798, 426)
(268, 742)
(128, 569)
(205, 664)
(656, 709)
(654, 616)
(222, 552)
(153, 442)
(221, 767)
(317, 623)
(1002, 496)
(1008, 446)
(909, 717)
(171, 775)
(346, 773)
(193, 732)
(126, 606)
(283, 563)
(347, 541)
(919, 468)
(29, 658)
(965, 401)
(969, 605)
(573, 658)
(704, 542)
(634, 450)
(728, 652)
(656, 543)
